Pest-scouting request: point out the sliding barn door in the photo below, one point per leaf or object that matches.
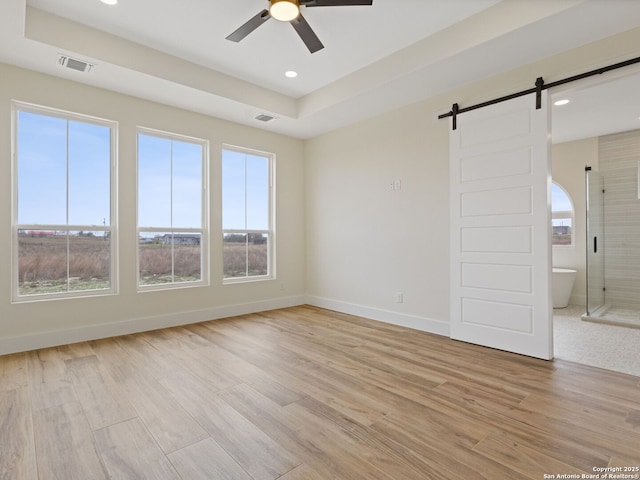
(500, 227)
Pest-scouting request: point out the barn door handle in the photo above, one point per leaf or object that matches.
(595, 244)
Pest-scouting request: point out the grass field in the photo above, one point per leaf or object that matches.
(238, 256)
(43, 266)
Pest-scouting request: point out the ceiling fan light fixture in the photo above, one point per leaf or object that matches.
(284, 10)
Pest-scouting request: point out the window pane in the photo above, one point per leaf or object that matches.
(257, 193)
(562, 216)
(42, 262)
(187, 253)
(560, 201)
(64, 170)
(42, 169)
(155, 251)
(187, 185)
(233, 190)
(561, 231)
(257, 254)
(89, 260)
(235, 255)
(89, 174)
(154, 181)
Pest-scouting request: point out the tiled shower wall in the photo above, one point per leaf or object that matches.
(619, 155)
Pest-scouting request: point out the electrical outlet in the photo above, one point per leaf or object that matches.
(399, 297)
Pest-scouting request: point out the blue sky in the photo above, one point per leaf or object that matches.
(43, 176)
(61, 159)
(560, 201)
(245, 180)
(169, 183)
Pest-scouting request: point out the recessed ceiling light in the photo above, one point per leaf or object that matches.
(109, 2)
(561, 102)
(291, 74)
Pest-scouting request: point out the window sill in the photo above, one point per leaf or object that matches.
(236, 280)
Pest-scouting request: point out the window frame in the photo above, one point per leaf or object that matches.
(203, 230)
(111, 229)
(568, 214)
(270, 231)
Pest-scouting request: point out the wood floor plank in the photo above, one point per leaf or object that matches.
(204, 363)
(273, 390)
(17, 448)
(169, 424)
(65, 446)
(75, 350)
(351, 361)
(369, 399)
(446, 460)
(149, 359)
(360, 406)
(558, 439)
(102, 400)
(129, 452)
(111, 353)
(633, 419)
(528, 462)
(595, 413)
(250, 447)
(49, 382)
(304, 472)
(13, 371)
(378, 450)
(314, 439)
(179, 338)
(206, 460)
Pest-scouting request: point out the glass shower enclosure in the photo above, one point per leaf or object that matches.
(594, 190)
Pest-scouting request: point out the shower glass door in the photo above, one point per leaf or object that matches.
(595, 240)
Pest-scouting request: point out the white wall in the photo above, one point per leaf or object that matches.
(30, 325)
(365, 242)
(568, 162)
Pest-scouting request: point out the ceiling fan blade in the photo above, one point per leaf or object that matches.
(250, 26)
(307, 35)
(334, 3)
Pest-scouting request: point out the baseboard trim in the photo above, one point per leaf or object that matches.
(439, 327)
(55, 338)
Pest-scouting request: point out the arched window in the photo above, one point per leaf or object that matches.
(562, 216)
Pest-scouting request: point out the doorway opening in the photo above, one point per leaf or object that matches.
(598, 128)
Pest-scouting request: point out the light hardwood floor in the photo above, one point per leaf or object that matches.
(305, 393)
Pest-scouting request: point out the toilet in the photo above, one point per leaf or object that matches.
(561, 285)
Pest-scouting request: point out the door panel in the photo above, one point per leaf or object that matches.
(500, 229)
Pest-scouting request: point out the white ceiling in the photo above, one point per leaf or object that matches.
(376, 58)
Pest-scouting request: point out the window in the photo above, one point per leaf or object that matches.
(247, 214)
(172, 210)
(562, 216)
(64, 210)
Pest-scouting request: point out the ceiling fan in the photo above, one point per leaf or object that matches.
(289, 11)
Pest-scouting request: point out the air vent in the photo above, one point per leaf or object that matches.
(75, 64)
(265, 118)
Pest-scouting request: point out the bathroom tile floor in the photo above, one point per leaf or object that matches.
(600, 345)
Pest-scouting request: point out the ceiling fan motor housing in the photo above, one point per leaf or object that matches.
(284, 10)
